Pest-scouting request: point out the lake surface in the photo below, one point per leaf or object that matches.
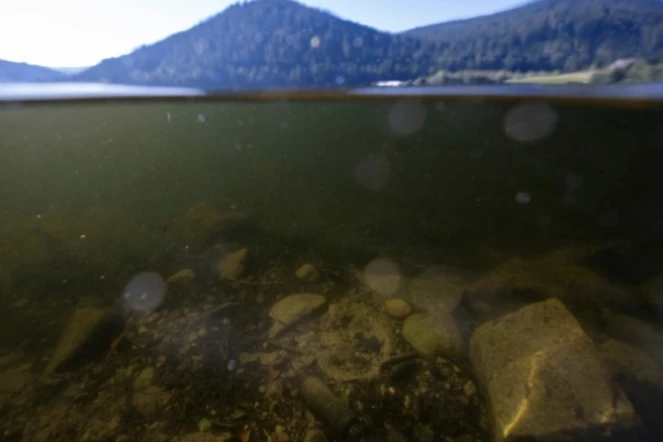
(450, 264)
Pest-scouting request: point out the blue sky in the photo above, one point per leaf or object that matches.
(64, 33)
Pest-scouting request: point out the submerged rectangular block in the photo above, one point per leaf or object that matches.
(543, 378)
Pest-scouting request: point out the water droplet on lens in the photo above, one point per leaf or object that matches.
(530, 122)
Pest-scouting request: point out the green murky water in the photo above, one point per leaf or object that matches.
(438, 270)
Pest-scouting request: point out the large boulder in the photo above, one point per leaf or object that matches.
(544, 379)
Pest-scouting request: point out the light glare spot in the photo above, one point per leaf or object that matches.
(407, 117)
(573, 181)
(523, 197)
(383, 276)
(569, 199)
(373, 172)
(529, 122)
(145, 292)
(609, 219)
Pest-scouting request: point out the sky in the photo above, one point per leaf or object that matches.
(78, 33)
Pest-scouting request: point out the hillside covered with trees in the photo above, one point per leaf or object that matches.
(270, 43)
(282, 43)
(550, 35)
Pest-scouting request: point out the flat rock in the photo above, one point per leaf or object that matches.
(315, 436)
(519, 282)
(544, 379)
(624, 358)
(204, 223)
(182, 277)
(432, 335)
(293, 308)
(88, 333)
(439, 289)
(640, 378)
(643, 334)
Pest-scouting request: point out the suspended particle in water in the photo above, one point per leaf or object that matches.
(529, 122)
(475, 154)
(383, 276)
(202, 118)
(523, 197)
(573, 181)
(340, 80)
(609, 219)
(543, 221)
(569, 199)
(315, 41)
(407, 117)
(145, 292)
(373, 172)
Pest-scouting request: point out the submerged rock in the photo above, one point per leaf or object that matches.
(181, 277)
(292, 309)
(87, 334)
(149, 400)
(432, 335)
(544, 379)
(353, 341)
(232, 265)
(557, 274)
(397, 308)
(639, 376)
(439, 289)
(315, 436)
(204, 223)
(645, 335)
(307, 272)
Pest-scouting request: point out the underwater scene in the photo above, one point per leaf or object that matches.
(398, 269)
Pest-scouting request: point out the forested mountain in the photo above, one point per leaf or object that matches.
(22, 72)
(282, 43)
(549, 35)
(270, 43)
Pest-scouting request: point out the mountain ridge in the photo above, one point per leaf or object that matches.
(283, 43)
(23, 72)
(268, 42)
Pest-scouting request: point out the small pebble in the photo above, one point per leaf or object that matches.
(315, 436)
(469, 388)
(397, 308)
(307, 272)
(182, 277)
